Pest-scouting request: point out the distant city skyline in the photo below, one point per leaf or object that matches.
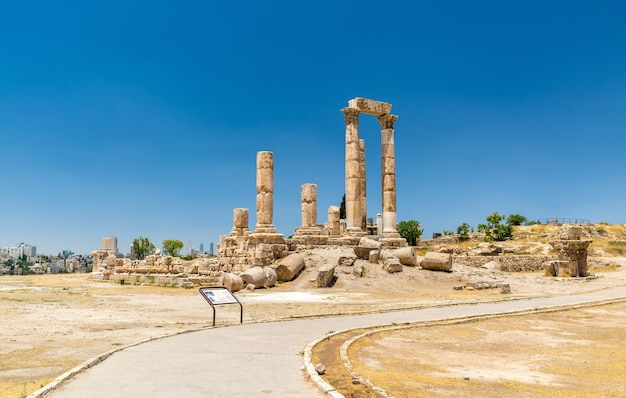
(128, 120)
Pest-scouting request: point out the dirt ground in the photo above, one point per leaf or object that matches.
(52, 323)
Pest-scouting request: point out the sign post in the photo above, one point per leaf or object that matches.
(218, 295)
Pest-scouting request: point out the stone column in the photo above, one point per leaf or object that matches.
(333, 227)
(388, 176)
(309, 205)
(309, 211)
(240, 221)
(265, 192)
(353, 174)
(362, 186)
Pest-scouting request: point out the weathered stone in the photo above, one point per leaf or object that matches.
(290, 267)
(346, 260)
(487, 249)
(571, 232)
(358, 269)
(572, 255)
(374, 256)
(437, 262)
(392, 264)
(363, 253)
(406, 255)
(325, 275)
(254, 276)
(270, 277)
(320, 369)
(493, 265)
(371, 243)
(232, 282)
(333, 226)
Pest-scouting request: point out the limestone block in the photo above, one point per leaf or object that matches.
(367, 242)
(406, 255)
(392, 264)
(270, 277)
(325, 275)
(364, 253)
(358, 269)
(254, 276)
(232, 282)
(437, 262)
(346, 260)
(370, 107)
(240, 217)
(374, 256)
(571, 232)
(290, 267)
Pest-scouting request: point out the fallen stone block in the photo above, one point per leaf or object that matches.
(270, 277)
(254, 276)
(290, 267)
(358, 269)
(392, 264)
(346, 260)
(232, 282)
(325, 275)
(437, 262)
(406, 255)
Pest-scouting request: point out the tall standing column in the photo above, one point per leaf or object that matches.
(389, 176)
(362, 186)
(265, 192)
(353, 175)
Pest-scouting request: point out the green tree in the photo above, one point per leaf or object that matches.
(463, 231)
(142, 247)
(173, 246)
(494, 230)
(515, 219)
(410, 230)
(342, 208)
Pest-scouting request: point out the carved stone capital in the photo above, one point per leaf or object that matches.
(351, 115)
(387, 121)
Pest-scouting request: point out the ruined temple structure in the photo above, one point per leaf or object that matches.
(242, 249)
(355, 171)
(571, 252)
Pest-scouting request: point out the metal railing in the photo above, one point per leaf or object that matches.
(561, 220)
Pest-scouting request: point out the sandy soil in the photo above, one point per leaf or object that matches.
(52, 323)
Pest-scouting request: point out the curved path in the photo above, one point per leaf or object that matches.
(260, 359)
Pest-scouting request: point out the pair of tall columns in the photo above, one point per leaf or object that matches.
(356, 205)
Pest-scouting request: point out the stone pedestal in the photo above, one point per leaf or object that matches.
(571, 253)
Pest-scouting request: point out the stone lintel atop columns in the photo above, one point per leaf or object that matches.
(370, 107)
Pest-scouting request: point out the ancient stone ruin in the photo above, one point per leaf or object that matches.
(571, 252)
(249, 254)
(241, 250)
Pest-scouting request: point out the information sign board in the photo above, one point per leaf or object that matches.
(218, 295)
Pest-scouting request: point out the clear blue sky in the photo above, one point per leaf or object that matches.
(140, 118)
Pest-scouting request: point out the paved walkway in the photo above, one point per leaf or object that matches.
(255, 360)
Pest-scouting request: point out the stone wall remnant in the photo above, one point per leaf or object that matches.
(571, 253)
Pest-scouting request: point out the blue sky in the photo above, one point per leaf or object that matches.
(143, 118)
